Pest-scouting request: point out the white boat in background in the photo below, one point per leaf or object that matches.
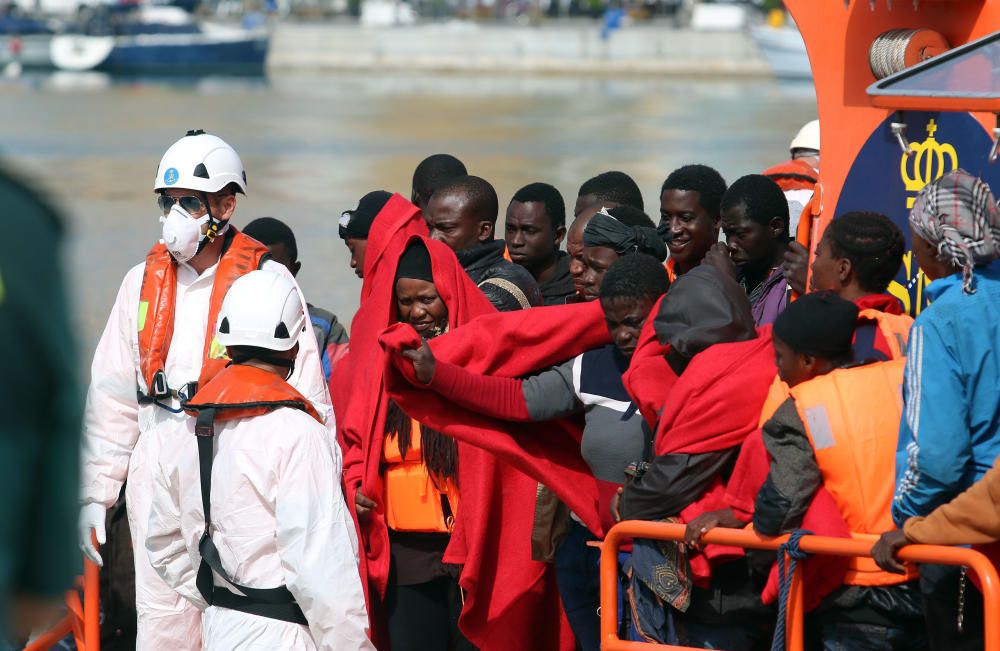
(784, 50)
(163, 40)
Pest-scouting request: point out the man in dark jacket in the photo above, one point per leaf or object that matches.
(534, 229)
(463, 214)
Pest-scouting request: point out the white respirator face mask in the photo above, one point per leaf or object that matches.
(182, 233)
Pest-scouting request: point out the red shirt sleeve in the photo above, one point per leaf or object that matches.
(496, 397)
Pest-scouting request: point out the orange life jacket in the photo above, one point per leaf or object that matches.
(794, 174)
(851, 417)
(776, 395)
(157, 300)
(413, 496)
(894, 327)
(809, 220)
(243, 391)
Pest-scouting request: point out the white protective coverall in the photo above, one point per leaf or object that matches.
(116, 444)
(278, 517)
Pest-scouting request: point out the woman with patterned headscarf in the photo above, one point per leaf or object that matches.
(950, 434)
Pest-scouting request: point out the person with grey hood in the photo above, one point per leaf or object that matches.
(722, 371)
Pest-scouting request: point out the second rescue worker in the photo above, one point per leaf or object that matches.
(158, 347)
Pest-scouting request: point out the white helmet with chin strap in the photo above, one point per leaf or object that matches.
(205, 164)
(200, 161)
(262, 309)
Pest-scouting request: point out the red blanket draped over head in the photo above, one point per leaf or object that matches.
(711, 407)
(511, 601)
(697, 417)
(393, 226)
(511, 344)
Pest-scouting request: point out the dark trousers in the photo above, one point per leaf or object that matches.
(850, 636)
(728, 614)
(874, 618)
(578, 576)
(939, 588)
(424, 617)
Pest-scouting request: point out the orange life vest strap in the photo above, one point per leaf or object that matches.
(851, 417)
(157, 302)
(238, 391)
(671, 266)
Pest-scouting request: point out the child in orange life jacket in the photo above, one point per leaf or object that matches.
(838, 429)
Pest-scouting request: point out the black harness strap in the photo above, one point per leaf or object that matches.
(275, 603)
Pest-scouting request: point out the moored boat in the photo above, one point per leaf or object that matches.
(163, 40)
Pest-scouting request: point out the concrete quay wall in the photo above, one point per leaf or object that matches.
(654, 49)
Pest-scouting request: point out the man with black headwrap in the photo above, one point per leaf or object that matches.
(612, 234)
(838, 430)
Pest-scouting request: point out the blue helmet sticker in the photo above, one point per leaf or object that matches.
(171, 176)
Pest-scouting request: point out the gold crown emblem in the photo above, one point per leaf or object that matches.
(926, 162)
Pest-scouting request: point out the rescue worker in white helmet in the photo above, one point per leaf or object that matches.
(248, 519)
(157, 347)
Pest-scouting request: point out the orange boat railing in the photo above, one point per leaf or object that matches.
(82, 619)
(622, 532)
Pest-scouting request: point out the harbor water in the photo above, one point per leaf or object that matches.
(312, 144)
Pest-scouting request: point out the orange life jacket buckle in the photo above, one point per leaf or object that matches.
(159, 388)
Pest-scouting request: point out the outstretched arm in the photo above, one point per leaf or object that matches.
(545, 396)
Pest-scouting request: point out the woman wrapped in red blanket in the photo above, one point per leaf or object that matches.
(440, 521)
(590, 384)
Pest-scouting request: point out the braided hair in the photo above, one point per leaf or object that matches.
(873, 244)
(439, 452)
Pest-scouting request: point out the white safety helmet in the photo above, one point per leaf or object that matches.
(262, 309)
(200, 161)
(807, 137)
